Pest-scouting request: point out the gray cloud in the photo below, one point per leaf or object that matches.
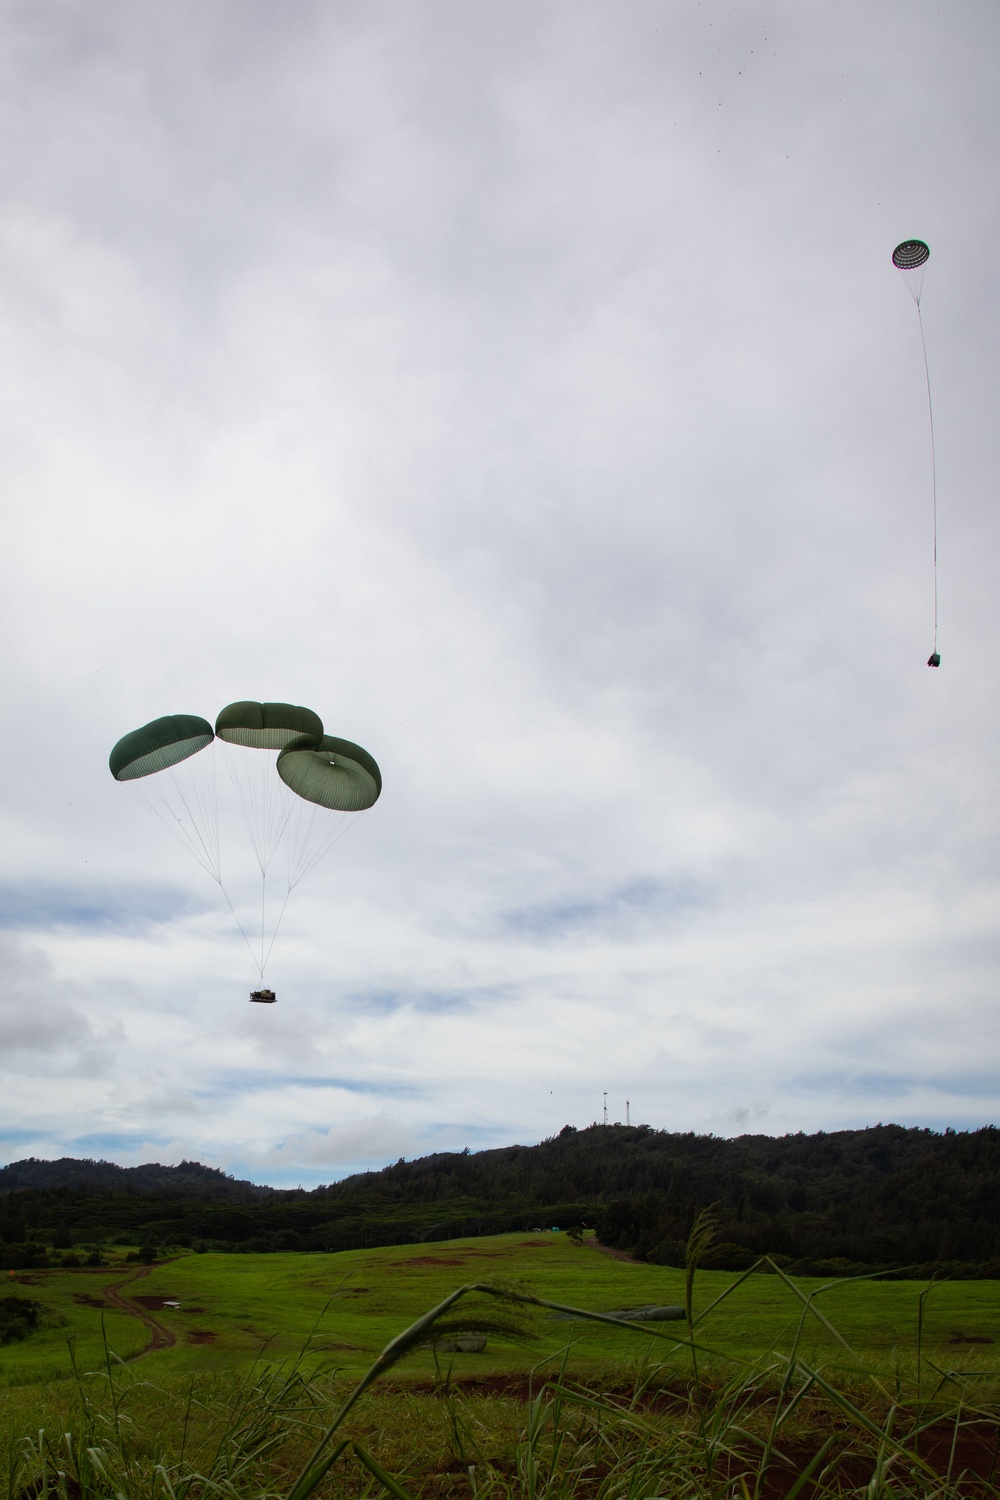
(530, 391)
(37, 1013)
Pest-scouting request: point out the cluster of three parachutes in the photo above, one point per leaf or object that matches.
(318, 775)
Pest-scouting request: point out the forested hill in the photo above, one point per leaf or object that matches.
(603, 1162)
(886, 1196)
(190, 1179)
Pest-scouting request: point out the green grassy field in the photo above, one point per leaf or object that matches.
(233, 1308)
(226, 1406)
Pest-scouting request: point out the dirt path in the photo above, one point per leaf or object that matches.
(160, 1337)
(616, 1254)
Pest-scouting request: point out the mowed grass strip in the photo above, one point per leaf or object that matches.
(235, 1308)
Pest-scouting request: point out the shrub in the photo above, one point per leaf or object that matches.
(26, 1256)
(18, 1318)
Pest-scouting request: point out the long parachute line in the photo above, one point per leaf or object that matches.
(265, 806)
(263, 909)
(934, 516)
(200, 837)
(264, 803)
(274, 934)
(305, 852)
(199, 833)
(239, 924)
(204, 818)
(310, 842)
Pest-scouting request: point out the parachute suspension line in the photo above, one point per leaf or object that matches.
(265, 809)
(930, 415)
(274, 934)
(305, 848)
(263, 907)
(204, 819)
(192, 841)
(198, 832)
(303, 858)
(239, 924)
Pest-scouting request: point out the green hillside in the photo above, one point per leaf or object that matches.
(344, 1308)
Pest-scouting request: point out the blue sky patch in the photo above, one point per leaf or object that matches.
(34, 906)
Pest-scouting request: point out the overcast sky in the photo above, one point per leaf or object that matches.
(527, 388)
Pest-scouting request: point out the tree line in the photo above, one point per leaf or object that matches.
(885, 1197)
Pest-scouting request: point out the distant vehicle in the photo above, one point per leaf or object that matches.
(264, 997)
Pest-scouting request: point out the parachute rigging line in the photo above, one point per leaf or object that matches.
(201, 839)
(910, 257)
(299, 871)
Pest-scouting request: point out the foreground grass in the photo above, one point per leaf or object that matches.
(685, 1415)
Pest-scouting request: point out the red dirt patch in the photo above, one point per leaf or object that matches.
(428, 1260)
(86, 1300)
(973, 1454)
(202, 1336)
(151, 1303)
(968, 1338)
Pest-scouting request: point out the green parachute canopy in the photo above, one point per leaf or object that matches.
(159, 745)
(330, 772)
(910, 254)
(266, 726)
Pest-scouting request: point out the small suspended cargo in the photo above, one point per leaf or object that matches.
(264, 997)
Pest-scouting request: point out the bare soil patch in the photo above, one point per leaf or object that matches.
(428, 1260)
(160, 1337)
(86, 1300)
(201, 1336)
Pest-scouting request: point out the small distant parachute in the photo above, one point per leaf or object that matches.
(910, 258)
(910, 255)
(286, 815)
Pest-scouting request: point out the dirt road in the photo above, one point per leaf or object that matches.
(160, 1337)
